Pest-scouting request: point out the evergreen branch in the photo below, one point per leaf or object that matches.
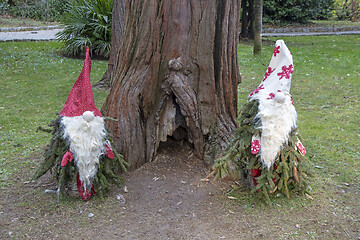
(40, 128)
(111, 119)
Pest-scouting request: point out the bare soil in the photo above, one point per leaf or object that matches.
(166, 199)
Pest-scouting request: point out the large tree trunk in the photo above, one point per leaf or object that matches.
(176, 75)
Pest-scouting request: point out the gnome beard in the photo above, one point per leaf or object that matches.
(276, 119)
(86, 136)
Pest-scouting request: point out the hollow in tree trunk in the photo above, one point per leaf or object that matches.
(176, 75)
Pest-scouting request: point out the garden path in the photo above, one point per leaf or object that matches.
(47, 33)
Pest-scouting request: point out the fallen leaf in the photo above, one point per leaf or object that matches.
(308, 196)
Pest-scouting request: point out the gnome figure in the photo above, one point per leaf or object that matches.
(276, 116)
(266, 149)
(84, 129)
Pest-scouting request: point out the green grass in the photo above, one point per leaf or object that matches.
(35, 83)
(326, 90)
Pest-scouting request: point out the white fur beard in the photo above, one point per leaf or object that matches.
(86, 143)
(277, 121)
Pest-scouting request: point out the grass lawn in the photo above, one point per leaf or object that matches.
(35, 83)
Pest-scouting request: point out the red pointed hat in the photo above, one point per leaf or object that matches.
(81, 97)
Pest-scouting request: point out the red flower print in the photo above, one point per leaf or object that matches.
(301, 148)
(255, 146)
(108, 151)
(257, 90)
(268, 72)
(286, 72)
(276, 50)
(271, 96)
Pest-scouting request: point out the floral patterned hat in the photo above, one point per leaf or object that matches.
(278, 75)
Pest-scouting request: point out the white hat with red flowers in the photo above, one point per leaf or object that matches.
(277, 80)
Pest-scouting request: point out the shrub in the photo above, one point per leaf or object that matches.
(87, 23)
(296, 11)
(46, 10)
(355, 10)
(347, 10)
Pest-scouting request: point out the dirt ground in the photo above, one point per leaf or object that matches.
(166, 199)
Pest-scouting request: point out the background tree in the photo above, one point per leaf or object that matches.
(281, 12)
(258, 9)
(176, 74)
(247, 19)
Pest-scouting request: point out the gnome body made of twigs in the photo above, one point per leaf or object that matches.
(84, 129)
(266, 147)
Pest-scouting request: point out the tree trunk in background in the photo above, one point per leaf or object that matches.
(244, 19)
(251, 19)
(247, 19)
(176, 74)
(258, 9)
(117, 25)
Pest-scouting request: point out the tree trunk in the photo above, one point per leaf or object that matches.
(258, 7)
(251, 19)
(176, 75)
(247, 19)
(244, 19)
(117, 25)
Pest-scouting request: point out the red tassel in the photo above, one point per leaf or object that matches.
(255, 173)
(85, 195)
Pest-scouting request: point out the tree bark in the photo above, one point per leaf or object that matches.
(176, 74)
(258, 9)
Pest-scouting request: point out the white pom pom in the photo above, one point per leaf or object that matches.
(280, 97)
(88, 116)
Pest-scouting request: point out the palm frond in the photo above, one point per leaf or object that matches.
(87, 22)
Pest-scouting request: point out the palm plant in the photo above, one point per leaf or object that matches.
(87, 23)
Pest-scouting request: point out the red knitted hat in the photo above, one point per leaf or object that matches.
(81, 97)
